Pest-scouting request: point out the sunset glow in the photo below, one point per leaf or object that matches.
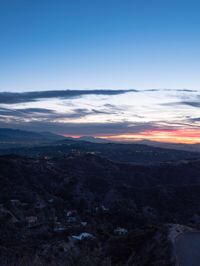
(121, 115)
(120, 70)
(188, 136)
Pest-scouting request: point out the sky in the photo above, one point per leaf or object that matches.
(119, 69)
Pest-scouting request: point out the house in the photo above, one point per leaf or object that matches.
(121, 231)
(51, 200)
(59, 229)
(83, 236)
(102, 208)
(31, 220)
(83, 223)
(71, 213)
(15, 202)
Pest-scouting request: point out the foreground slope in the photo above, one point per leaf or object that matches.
(45, 202)
(126, 153)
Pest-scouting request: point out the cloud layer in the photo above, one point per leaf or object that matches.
(13, 98)
(127, 114)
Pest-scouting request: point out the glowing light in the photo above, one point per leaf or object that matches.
(187, 136)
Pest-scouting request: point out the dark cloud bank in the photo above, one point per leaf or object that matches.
(13, 98)
(45, 119)
(84, 128)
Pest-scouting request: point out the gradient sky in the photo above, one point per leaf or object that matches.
(150, 46)
(63, 44)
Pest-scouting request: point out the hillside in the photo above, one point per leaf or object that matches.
(126, 153)
(14, 138)
(45, 202)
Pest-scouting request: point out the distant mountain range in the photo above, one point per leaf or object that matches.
(178, 146)
(93, 139)
(46, 144)
(13, 138)
(166, 145)
(34, 144)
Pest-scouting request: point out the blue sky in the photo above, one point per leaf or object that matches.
(48, 44)
(151, 47)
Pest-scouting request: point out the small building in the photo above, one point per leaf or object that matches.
(84, 223)
(51, 200)
(15, 202)
(59, 229)
(105, 209)
(121, 231)
(101, 209)
(71, 213)
(31, 220)
(83, 236)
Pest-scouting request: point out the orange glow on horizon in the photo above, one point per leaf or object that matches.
(72, 136)
(186, 136)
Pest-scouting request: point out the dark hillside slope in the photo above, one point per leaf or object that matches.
(126, 153)
(13, 138)
(45, 202)
(99, 181)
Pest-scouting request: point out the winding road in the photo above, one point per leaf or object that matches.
(187, 248)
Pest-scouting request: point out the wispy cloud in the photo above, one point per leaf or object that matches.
(190, 103)
(186, 103)
(133, 113)
(42, 114)
(84, 128)
(23, 97)
(13, 98)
